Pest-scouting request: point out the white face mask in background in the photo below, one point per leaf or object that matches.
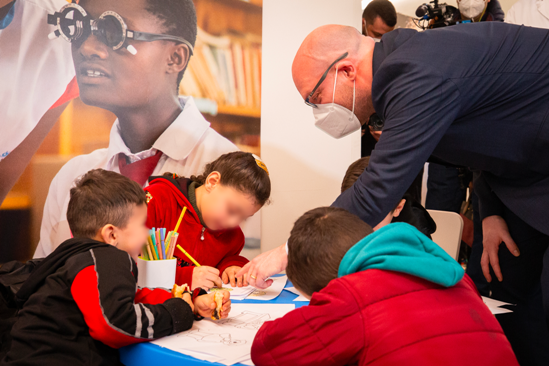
(376, 40)
(471, 8)
(334, 119)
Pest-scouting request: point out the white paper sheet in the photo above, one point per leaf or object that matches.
(494, 305)
(271, 292)
(293, 290)
(226, 341)
(237, 293)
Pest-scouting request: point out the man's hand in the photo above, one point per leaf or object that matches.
(229, 275)
(265, 265)
(205, 304)
(495, 231)
(206, 277)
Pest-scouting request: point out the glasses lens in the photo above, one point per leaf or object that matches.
(111, 30)
(71, 23)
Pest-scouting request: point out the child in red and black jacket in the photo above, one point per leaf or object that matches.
(231, 189)
(81, 303)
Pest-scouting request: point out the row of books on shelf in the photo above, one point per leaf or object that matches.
(225, 69)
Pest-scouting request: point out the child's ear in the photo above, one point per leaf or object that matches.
(399, 208)
(212, 180)
(178, 58)
(108, 234)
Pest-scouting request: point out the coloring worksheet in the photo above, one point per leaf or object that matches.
(271, 292)
(226, 341)
(251, 293)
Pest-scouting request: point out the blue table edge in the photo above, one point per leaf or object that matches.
(146, 354)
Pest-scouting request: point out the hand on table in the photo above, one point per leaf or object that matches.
(229, 275)
(263, 266)
(495, 231)
(205, 304)
(206, 277)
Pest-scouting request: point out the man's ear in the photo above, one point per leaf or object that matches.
(108, 234)
(178, 58)
(349, 70)
(399, 208)
(212, 180)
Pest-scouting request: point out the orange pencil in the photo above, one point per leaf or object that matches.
(173, 243)
(158, 245)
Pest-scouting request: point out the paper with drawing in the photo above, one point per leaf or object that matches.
(251, 293)
(226, 341)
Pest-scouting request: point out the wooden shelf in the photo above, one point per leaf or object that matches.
(239, 111)
(16, 201)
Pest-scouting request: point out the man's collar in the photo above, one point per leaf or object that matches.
(177, 141)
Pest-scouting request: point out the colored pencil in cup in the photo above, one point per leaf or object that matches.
(158, 244)
(173, 242)
(144, 253)
(162, 241)
(168, 243)
(149, 252)
(153, 240)
(151, 248)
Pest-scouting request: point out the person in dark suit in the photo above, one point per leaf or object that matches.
(474, 95)
(482, 103)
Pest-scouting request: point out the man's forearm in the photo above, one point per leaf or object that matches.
(15, 163)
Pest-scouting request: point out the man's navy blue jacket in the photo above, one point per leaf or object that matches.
(474, 95)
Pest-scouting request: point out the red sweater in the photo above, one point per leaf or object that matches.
(377, 317)
(219, 249)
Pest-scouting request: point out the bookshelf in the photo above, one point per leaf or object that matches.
(224, 75)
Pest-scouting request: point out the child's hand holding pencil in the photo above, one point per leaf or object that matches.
(206, 277)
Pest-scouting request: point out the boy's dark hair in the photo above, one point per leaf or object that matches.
(241, 171)
(382, 8)
(318, 241)
(99, 198)
(179, 18)
(353, 172)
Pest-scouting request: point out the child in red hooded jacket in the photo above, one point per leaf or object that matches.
(231, 189)
(383, 298)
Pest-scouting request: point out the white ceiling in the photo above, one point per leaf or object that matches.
(408, 7)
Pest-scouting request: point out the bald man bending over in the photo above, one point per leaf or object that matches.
(474, 95)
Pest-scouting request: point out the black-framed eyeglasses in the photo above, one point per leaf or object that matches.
(72, 23)
(310, 104)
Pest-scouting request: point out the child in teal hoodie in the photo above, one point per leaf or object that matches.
(390, 297)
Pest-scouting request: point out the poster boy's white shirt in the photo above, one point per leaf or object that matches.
(34, 70)
(188, 144)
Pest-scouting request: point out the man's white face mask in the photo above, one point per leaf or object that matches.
(334, 119)
(471, 8)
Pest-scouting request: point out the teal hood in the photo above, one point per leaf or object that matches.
(402, 248)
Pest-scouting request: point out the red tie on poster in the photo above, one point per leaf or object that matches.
(139, 171)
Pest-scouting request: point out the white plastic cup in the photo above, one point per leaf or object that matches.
(153, 274)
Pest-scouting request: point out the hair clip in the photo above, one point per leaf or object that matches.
(260, 163)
